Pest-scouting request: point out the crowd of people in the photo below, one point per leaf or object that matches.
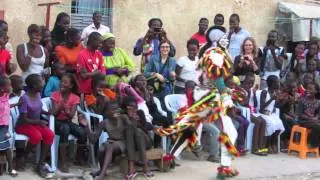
(86, 68)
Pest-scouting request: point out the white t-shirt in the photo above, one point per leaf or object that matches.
(92, 28)
(188, 71)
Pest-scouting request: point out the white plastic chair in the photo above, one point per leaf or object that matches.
(277, 112)
(87, 116)
(246, 113)
(14, 115)
(160, 110)
(174, 102)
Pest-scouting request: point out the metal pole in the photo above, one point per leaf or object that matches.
(48, 5)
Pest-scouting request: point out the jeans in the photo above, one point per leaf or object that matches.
(212, 133)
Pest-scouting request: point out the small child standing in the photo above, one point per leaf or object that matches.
(53, 83)
(4, 123)
(6, 67)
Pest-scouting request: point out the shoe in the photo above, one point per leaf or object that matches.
(130, 176)
(213, 159)
(196, 150)
(224, 172)
(148, 174)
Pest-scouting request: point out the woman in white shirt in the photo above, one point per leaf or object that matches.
(186, 69)
(31, 56)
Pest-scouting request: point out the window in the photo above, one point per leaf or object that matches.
(82, 10)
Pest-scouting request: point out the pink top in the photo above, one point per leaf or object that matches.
(90, 61)
(127, 90)
(4, 110)
(70, 103)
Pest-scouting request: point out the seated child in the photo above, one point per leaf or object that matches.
(137, 138)
(115, 125)
(240, 122)
(64, 108)
(124, 90)
(259, 140)
(308, 115)
(274, 124)
(30, 123)
(101, 94)
(53, 83)
(4, 124)
(17, 86)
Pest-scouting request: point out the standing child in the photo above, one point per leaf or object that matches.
(17, 92)
(53, 83)
(308, 113)
(4, 123)
(6, 67)
(17, 86)
(30, 123)
(288, 100)
(90, 63)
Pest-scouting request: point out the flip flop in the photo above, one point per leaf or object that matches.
(148, 174)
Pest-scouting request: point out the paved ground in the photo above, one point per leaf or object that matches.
(272, 167)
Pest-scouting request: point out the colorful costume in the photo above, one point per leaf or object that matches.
(212, 106)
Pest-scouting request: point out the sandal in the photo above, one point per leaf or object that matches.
(265, 150)
(130, 176)
(13, 173)
(259, 153)
(148, 174)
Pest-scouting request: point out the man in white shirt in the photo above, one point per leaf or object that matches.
(96, 26)
(236, 36)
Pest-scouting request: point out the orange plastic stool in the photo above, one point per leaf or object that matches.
(302, 148)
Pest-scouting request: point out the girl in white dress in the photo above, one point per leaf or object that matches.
(274, 124)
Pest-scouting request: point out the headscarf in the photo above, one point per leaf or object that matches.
(215, 35)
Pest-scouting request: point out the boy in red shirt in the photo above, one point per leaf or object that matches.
(6, 68)
(89, 63)
(200, 36)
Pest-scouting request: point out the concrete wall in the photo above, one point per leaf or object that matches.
(21, 13)
(180, 18)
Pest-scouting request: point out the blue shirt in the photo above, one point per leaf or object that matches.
(236, 41)
(52, 85)
(155, 66)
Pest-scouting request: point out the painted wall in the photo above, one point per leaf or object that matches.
(180, 18)
(130, 17)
